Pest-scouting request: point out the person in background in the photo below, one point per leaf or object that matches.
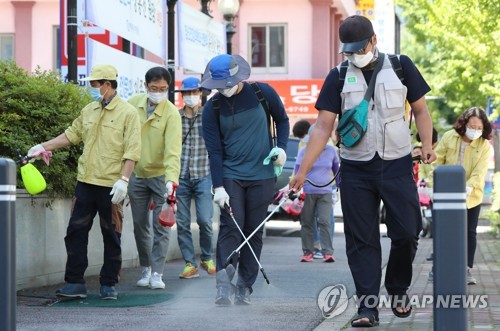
(300, 130)
(195, 183)
(378, 168)
(244, 164)
(318, 205)
(318, 253)
(467, 145)
(110, 131)
(155, 174)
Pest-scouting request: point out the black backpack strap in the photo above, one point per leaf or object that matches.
(396, 66)
(262, 100)
(342, 72)
(265, 105)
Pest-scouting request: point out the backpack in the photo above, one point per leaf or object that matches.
(263, 102)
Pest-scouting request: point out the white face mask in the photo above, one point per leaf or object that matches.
(473, 134)
(228, 92)
(191, 100)
(157, 97)
(362, 60)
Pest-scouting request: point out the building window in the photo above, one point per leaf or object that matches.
(6, 47)
(268, 48)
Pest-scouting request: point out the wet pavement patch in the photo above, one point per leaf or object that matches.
(124, 300)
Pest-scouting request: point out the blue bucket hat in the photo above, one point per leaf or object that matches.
(189, 84)
(225, 71)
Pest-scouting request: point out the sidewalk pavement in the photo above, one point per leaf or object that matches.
(486, 271)
(289, 303)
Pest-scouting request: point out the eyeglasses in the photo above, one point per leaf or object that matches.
(361, 51)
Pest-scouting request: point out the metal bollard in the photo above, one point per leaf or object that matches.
(7, 245)
(450, 248)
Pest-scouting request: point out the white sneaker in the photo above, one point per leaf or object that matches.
(470, 279)
(156, 281)
(146, 276)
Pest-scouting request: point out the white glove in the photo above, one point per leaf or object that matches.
(170, 188)
(468, 191)
(221, 197)
(34, 149)
(281, 156)
(119, 191)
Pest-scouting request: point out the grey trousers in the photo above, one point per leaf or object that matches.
(324, 205)
(151, 238)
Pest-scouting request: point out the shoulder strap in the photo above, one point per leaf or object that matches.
(262, 100)
(342, 72)
(270, 121)
(371, 85)
(396, 66)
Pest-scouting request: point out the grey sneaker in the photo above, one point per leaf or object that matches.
(224, 295)
(72, 290)
(108, 292)
(470, 280)
(242, 296)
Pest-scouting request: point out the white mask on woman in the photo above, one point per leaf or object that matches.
(191, 100)
(360, 60)
(473, 134)
(228, 92)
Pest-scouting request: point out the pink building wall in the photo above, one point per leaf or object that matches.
(32, 23)
(312, 37)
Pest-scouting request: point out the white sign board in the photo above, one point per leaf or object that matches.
(131, 69)
(140, 21)
(200, 38)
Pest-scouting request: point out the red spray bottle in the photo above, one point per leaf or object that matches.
(167, 214)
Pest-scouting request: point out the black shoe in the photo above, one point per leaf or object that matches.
(72, 290)
(242, 296)
(108, 292)
(224, 294)
(430, 257)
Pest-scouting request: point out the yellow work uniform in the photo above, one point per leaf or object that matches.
(475, 162)
(110, 136)
(161, 136)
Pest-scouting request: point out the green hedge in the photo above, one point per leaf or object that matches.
(35, 107)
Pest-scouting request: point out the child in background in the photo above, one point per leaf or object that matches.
(319, 199)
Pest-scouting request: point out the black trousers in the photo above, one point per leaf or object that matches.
(360, 200)
(90, 200)
(249, 200)
(472, 220)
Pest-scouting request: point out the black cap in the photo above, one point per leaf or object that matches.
(355, 32)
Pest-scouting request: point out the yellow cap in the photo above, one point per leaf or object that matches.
(102, 71)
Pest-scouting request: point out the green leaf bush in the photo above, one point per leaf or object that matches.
(35, 107)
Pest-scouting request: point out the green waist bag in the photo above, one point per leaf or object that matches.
(354, 122)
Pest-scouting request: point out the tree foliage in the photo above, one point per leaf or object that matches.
(35, 107)
(455, 44)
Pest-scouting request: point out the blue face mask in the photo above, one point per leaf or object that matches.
(95, 94)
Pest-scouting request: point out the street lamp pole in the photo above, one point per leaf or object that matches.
(171, 47)
(229, 8)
